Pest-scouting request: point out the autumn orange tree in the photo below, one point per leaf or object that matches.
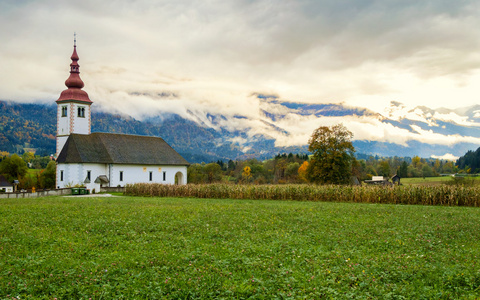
(247, 173)
(332, 158)
(302, 171)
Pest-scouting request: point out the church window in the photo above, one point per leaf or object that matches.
(61, 175)
(64, 111)
(81, 112)
(164, 176)
(121, 175)
(151, 175)
(89, 175)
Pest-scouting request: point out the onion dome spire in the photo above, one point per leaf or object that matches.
(74, 83)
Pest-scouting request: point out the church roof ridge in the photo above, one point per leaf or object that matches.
(115, 148)
(127, 134)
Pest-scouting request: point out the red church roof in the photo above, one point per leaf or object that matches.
(74, 83)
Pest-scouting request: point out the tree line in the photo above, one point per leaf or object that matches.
(470, 162)
(287, 168)
(332, 160)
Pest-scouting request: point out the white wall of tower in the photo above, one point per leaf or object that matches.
(72, 118)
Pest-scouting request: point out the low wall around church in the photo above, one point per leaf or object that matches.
(112, 189)
(59, 192)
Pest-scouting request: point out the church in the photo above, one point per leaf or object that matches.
(97, 160)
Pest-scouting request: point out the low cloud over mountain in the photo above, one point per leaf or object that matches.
(398, 130)
(270, 126)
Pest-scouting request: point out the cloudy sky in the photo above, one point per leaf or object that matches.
(147, 57)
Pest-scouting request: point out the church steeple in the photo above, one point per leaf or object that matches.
(74, 83)
(73, 106)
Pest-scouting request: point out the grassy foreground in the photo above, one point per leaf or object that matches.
(153, 248)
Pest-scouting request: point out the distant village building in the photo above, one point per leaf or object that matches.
(380, 180)
(5, 186)
(104, 159)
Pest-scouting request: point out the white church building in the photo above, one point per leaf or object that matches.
(104, 159)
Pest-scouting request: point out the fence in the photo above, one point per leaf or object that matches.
(59, 192)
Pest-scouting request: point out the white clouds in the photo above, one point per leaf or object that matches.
(446, 156)
(210, 56)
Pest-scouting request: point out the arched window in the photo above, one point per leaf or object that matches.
(81, 112)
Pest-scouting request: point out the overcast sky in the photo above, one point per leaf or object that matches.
(142, 57)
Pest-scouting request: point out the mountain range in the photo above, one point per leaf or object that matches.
(281, 127)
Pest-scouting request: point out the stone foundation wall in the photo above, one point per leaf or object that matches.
(59, 192)
(112, 189)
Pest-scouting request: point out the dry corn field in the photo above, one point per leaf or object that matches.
(420, 195)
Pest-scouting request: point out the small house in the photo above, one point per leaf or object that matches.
(378, 180)
(5, 186)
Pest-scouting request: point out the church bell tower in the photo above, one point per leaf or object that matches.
(73, 106)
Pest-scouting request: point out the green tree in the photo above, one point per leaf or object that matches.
(427, 171)
(47, 177)
(332, 155)
(370, 171)
(384, 168)
(448, 168)
(213, 172)
(280, 167)
(195, 174)
(40, 162)
(414, 172)
(28, 157)
(359, 169)
(231, 165)
(291, 172)
(13, 167)
(403, 170)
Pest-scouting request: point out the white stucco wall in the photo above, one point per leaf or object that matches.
(138, 173)
(81, 125)
(63, 123)
(61, 140)
(76, 174)
(71, 123)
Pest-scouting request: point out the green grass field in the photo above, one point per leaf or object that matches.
(173, 248)
(434, 180)
(426, 180)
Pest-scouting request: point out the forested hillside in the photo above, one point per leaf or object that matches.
(25, 127)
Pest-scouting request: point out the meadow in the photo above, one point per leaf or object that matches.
(188, 248)
(441, 180)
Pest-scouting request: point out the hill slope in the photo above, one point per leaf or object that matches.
(207, 137)
(31, 126)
